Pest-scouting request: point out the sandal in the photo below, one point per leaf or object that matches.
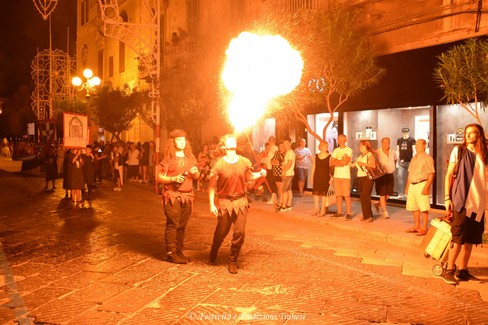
(421, 232)
(315, 213)
(412, 230)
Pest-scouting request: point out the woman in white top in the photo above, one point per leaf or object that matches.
(133, 162)
(365, 185)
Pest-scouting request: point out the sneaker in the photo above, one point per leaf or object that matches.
(348, 217)
(449, 277)
(464, 275)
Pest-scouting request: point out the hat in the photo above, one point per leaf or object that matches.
(405, 130)
(177, 133)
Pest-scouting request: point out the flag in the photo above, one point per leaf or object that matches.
(47, 130)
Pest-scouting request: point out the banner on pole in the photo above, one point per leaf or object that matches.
(47, 130)
(75, 127)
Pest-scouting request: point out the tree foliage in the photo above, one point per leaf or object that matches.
(462, 74)
(337, 55)
(68, 105)
(191, 88)
(114, 109)
(183, 100)
(18, 112)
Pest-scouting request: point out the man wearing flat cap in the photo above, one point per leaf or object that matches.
(405, 151)
(178, 170)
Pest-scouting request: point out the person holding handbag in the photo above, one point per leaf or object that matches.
(365, 185)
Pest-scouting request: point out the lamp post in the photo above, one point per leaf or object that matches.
(90, 83)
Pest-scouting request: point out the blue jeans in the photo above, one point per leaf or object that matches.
(402, 175)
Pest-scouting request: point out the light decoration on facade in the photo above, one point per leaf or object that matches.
(258, 68)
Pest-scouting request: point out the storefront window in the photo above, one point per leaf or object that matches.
(451, 120)
(317, 123)
(402, 125)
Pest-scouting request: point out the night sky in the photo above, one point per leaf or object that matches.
(23, 31)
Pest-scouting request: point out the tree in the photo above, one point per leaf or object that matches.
(183, 100)
(462, 73)
(114, 109)
(339, 60)
(71, 105)
(191, 88)
(18, 112)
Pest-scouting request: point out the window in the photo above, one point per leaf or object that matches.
(402, 125)
(111, 66)
(193, 17)
(121, 57)
(451, 120)
(100, 64)
(84, 12)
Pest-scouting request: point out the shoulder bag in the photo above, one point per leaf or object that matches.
(374, 173)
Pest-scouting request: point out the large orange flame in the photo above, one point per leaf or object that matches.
(258, 68)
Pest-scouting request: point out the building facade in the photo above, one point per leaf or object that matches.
(407, 37)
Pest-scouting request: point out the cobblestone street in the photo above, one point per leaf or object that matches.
(105, 264)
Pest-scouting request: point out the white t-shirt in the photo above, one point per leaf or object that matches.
(342, 171)
(290, 155)
(387, 161)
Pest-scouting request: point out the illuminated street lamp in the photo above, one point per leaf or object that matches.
(90, 83)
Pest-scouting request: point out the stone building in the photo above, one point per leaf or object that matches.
(132, 41)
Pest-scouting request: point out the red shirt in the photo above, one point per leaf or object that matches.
(232, 178)
(176, 166)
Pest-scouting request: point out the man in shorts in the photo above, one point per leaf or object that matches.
(287, 173)
(421, 174)
(466, 196)
(385, 184)
(340, 160)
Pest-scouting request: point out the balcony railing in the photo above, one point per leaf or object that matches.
(179, 52)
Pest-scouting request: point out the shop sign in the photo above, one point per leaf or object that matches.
(456, 138)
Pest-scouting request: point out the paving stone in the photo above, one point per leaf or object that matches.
(79, 280)
(98, 292)
(60, 310)
(7, 315)
(110, 261)
(129, 301)
(42, 296)
(97, 317)
(29, 268)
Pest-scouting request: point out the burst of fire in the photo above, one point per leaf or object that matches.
(258, 68)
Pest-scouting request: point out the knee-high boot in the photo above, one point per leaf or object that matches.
(212, 258)
(172, 256)
(234, 253)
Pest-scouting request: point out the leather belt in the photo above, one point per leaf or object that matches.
(424, 180)
(234, 197)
